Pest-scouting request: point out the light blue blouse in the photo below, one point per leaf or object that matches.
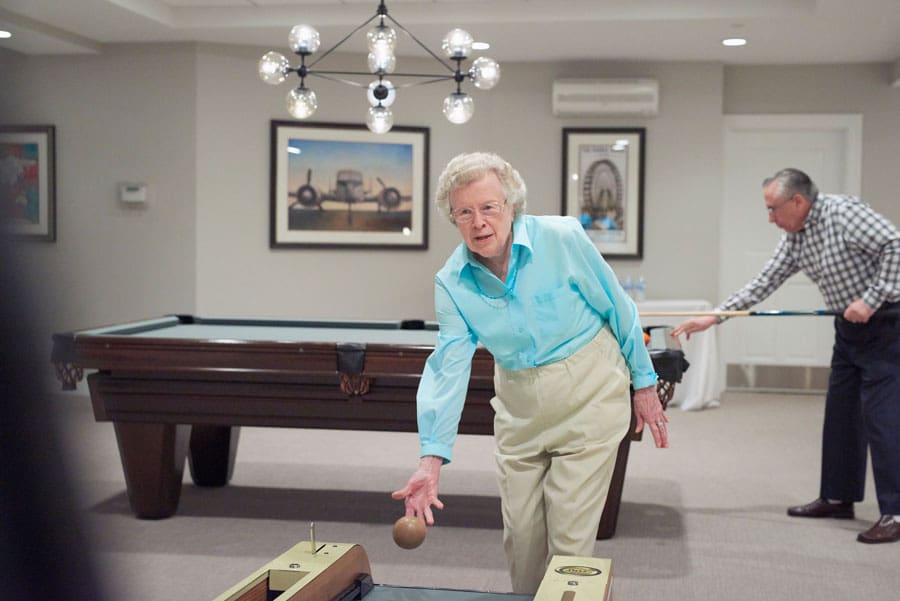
(559, 292)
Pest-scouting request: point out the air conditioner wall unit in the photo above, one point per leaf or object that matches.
(596, 97)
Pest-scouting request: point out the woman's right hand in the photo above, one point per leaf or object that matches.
(421, 490)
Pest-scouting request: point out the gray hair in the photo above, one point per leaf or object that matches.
(793, 181)
(463, 169)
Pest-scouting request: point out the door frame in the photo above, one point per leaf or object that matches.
(850, 123)
(850, 127)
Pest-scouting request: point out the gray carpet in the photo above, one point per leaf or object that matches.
(703, 520)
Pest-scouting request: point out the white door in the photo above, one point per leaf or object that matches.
(828, 148)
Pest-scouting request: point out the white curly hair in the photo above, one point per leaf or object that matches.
(463, 169)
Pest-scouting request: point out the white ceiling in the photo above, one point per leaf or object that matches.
(779, 31)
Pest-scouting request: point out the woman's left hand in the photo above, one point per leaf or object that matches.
(649, 411)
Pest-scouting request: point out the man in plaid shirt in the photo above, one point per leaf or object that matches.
(853, 255)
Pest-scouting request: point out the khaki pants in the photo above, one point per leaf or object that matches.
(557, 429)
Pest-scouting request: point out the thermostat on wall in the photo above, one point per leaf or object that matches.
(133, 193)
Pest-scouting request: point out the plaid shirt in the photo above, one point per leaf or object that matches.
(845, 247)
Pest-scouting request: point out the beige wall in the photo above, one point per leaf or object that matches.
(238, 274)
(123, 116)
(193, 123)
(863, 89)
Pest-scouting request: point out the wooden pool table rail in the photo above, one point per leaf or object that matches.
(173, 399)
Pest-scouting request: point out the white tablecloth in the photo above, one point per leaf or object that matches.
(704, 381)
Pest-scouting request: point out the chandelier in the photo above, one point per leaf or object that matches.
(457, 45)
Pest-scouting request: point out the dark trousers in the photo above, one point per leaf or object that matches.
(862, 410)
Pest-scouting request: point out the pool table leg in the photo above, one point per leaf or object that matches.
(153, 461)
(610, 515)
(212, 451)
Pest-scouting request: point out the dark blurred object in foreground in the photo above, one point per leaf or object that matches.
(44, 552)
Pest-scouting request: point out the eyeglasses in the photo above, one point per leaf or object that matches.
(487, 211)
(771, 210)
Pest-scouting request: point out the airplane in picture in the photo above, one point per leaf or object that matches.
(348, 189)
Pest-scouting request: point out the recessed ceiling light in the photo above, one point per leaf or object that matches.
(734, 42)
(480, 46)
(5, 34)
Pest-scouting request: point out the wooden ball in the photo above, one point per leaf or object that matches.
(409, 532)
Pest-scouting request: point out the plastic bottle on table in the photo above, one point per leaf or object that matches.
(640, 290)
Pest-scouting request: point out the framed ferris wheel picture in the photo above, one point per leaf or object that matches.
(603, 187)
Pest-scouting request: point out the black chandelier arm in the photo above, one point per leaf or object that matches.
(328, 75)
(458, 75)
(411, 84)
(434, 76)
(417, 41)
(344, 39)
(303, 70)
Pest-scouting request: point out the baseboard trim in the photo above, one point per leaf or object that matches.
(777, 378)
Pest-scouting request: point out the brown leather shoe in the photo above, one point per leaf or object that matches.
(885, 530)
(820, 508)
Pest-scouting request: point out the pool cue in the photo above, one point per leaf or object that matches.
(773, 313)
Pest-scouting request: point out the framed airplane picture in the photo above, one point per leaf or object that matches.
(342, 186)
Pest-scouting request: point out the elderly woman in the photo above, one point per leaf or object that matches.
(567, 343)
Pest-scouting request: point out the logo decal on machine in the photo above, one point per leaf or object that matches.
(578, 571)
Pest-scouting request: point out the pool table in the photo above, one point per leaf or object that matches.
(181, 386)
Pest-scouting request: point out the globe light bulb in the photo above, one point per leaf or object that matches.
(458, 107)
(302, 103)
(383, 61)
(485, 73)
(273, 68)
(381, 91)
(303, 39)
(381, 37)
(457, 43)
(380, 119)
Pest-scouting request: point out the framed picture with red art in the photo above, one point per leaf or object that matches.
(28, 181)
